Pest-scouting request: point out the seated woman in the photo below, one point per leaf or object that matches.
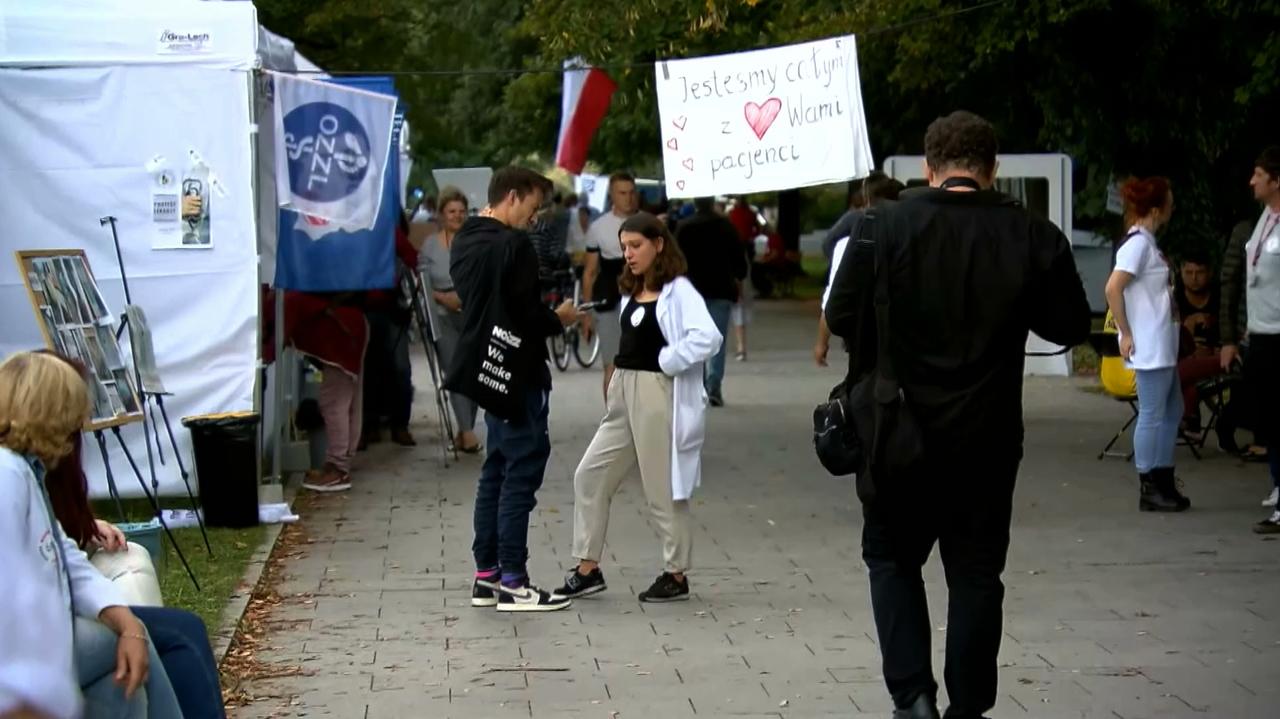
(68, 646)
(179, 637)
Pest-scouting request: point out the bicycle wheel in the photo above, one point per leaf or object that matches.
(585, 352)
(560, 351)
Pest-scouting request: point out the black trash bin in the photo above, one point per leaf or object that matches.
(226, 459)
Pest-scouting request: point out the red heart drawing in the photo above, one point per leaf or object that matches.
(688, 164)
(760, 117)
(680, 121)
(672, 144)
(679, 184)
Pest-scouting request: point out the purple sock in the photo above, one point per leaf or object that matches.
(514, 580)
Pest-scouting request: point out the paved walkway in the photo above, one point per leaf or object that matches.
(1109, 613)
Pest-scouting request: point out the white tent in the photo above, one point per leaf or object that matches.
(96, 99)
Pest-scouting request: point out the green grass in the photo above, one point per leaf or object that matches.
(218, 575)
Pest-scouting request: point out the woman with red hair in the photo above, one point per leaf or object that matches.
(1140, 295)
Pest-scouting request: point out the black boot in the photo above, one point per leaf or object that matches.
(1156, 495)
(1167, 483)
(924, 707)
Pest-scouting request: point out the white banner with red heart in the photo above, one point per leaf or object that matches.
(763, 120)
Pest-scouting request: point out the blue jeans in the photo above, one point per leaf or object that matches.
(1159, 413)
(517, 457)
(95, 653)
(720, 311)
(182, 642)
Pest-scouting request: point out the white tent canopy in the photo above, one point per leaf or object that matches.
(95, 97)
(89, 33)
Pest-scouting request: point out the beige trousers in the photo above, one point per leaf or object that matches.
(635, 434)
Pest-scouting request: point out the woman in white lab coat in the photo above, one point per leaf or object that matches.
(656, 416)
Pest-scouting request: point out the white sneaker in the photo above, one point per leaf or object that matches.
(530, 599)
(1273, 498)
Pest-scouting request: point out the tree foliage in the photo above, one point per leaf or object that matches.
(1189, 90)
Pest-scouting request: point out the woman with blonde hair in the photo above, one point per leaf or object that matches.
(656, 416)
(67, 642)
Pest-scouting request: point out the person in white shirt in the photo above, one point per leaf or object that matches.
(604, 267)
(65, 629)
(1140, 295)
(1262, 302)
(656, 416)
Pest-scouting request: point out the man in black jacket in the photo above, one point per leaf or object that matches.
(493, 261)
(971, 272)
(717, 267)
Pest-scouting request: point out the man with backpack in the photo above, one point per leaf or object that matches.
(965, 274)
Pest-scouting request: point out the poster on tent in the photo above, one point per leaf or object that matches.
(764, 120)
(180, 206)
(75, 323)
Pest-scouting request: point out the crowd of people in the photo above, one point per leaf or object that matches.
(1176, 335)
(661, 290)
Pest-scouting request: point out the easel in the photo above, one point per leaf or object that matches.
(134, 349)
(140, 346)
(415, 285)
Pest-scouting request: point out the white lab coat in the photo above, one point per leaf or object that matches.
(692, 339)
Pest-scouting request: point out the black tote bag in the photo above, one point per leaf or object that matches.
(489, 370)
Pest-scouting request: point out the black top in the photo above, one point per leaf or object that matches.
(479, 244)
(641, 339)
(971, 274)
(1201, 323)
(715, 255)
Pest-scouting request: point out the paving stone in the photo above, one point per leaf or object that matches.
(1109, 612)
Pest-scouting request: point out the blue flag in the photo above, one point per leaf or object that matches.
(315, 255)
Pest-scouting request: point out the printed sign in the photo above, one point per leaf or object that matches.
(177, 42)
(763, 120)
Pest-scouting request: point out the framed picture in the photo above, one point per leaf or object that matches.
(76, 323)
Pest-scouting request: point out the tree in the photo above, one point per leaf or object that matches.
(1124, 86)
(1189, 90)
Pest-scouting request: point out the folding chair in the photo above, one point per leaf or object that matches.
(1215, 393)
(1121, 383)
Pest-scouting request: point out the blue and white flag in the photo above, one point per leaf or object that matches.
(332, 160)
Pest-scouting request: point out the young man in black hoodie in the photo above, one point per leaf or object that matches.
(971, 272)
(493, 261)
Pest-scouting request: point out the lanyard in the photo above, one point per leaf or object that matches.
(1273, 219)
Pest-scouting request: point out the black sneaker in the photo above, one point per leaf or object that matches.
(530, 599)
(666, 588)
(484, 592)
(715, 400)
(1270, 525)
(582, 585)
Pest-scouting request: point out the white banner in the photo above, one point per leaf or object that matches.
(336, 142)
(764, 120)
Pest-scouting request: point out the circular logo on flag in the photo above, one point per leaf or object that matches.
(328, 151)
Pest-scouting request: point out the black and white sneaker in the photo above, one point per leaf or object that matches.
(530, 599)
(582, 585)
(484, 593)
(666, 588)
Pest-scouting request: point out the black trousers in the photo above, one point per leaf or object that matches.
(388, 383)
(969, 520)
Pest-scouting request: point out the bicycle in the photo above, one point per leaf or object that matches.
(571, 342)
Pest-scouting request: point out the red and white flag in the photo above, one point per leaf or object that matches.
(587, 92)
